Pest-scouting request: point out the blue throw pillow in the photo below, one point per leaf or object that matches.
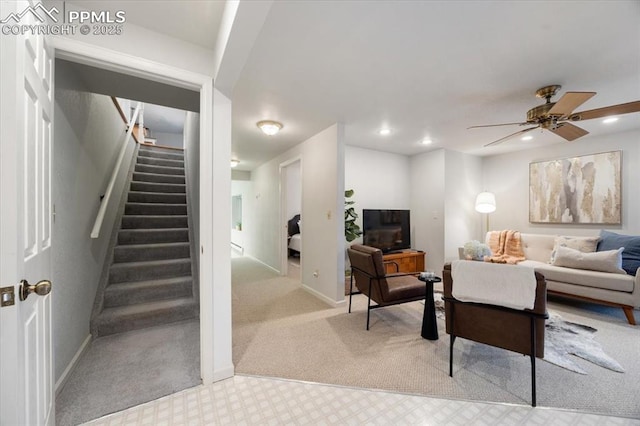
(631, 252)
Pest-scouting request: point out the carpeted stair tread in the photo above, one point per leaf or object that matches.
(133, 317)
(149, 269)
(156, 154)
(155, 209)
(154, 221)
(157, 251)
(158, 187)
(162, 170)
(160, 162)
(157, 177)
(141, 236)
(156, 197)
(136, 292)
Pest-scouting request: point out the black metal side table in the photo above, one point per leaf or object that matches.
(429, 325)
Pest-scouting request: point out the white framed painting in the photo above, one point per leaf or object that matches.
(584, 189)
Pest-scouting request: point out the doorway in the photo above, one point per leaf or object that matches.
(210, 368)
(291, 218)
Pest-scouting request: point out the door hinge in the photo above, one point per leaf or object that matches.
(7, 296)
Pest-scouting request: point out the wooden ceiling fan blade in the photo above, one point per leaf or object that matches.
(511, 135)
(498, 125)
(619, 109)
(569, 131)
(570, 101)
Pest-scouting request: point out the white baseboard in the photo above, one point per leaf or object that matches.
(262, 263)
(223, 373)
(72, 365)
(325, 299)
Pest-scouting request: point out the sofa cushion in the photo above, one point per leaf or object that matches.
(605, 261)
(583, 277)
(631, 253)
(537, 246)
(583, 244)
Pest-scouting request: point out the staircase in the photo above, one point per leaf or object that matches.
(150, 280)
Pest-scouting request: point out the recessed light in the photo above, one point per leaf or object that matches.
(234, 163)
(384, 131)
(269, 127)
(527, 138)
(610, 120)
(426, 141)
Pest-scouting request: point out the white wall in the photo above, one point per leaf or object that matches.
(508, 177)
(322, 166)
(294, 189)
(380, 180)
(146, 44)
(462, 177)
(88, 135)
(427, 206)
(438, 187)
(174, 140)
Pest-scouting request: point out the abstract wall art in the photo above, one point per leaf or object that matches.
(583, 189)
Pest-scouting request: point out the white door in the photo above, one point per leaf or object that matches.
(26, 117)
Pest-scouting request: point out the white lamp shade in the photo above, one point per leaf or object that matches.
(486, 202)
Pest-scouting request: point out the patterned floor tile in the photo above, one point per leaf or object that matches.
(244, 400)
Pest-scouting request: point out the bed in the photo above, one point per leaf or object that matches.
(295, 240)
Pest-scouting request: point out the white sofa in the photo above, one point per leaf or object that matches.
(600, 287)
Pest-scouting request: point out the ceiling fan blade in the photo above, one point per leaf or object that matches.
(570, 101)
(511, 135)
(498, 125)
(606, 111)
(569, 131)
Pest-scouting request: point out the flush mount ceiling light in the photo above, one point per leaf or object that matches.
(527, 138)
(384, 131)
(234, 163)
(610, 120)
(426, 141)
(269, 127)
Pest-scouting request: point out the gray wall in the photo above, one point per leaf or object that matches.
(88, 135)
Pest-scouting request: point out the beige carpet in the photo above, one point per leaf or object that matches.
(280, 330)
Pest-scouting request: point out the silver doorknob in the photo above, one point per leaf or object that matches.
(42, 288)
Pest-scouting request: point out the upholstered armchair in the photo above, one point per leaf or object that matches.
(513, 328)
(368, 270)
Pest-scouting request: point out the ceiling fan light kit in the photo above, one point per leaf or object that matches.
(556, 116)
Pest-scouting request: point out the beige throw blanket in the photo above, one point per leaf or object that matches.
(513, 286)
(506, 247)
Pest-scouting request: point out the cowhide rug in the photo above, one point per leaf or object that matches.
(565, 338)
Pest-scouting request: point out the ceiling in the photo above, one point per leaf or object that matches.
(422, 68)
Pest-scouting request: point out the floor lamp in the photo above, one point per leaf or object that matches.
(486, 203)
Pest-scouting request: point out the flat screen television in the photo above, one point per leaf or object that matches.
(388, 230)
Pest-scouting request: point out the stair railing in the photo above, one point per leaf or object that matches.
(95, 232)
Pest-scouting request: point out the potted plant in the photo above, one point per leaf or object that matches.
(351, 228)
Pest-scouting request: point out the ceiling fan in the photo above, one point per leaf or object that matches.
(556, 116)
